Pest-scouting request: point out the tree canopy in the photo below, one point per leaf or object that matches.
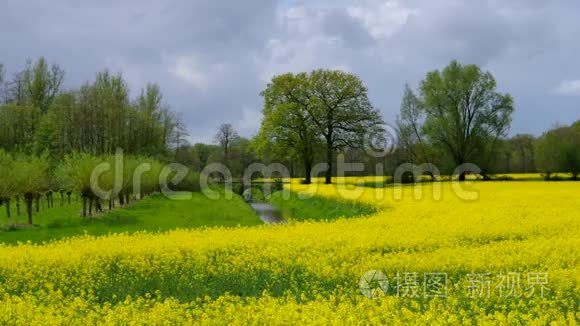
(287, 129)
(96, 118)
(327, 106)
(458, 114)
(558, 150)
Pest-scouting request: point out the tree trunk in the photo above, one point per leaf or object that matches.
(90, 206)
(121, 199)
(307, 172)
(29, 210)
(127, 198)
(28, 200)
(61, 199)
(68, 195)
(110, 204)
(98, 206)
(329, 157)
(18, 206)
(84, 206)
(462, 176)
(37, 203)
(7, 207)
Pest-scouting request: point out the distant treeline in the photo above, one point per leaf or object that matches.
(455, 116)
(38, 115)
(52, 139)
(555, 151)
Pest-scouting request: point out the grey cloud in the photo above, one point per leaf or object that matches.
(212, 58)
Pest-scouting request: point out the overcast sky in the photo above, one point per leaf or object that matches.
(212, 58)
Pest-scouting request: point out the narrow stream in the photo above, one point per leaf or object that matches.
(267, 213)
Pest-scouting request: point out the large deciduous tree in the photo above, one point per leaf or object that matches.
(341, 112)
(330, 106)
(462, 114)
(286, 127)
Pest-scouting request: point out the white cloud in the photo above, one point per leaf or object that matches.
(568, 87)
(188, 69)
(199, 72)
(382, 19)
(297, 55)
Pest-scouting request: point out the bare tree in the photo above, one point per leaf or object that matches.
(1, 74)
(2, 88)
(224, 137)
(15, 89)
(409, 124)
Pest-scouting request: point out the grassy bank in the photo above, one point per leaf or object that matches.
(155, 213)
(318, 208)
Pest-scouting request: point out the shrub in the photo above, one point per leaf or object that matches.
(75, 173)
(7, 180)
(32, 178)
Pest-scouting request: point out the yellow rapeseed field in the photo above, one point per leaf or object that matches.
(491, 253)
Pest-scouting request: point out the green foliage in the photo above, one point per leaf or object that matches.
(341, 112)
(16, 127)
(189, 183)
(318, 208)
(97, 118)
(303, 110)
(75, 172)
(150, 179)
(31, 173)
(7, 177)
(287, 131)
(42, 83)
(558, 150)
(460, 115)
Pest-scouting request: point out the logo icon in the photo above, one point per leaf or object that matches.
(374, 284)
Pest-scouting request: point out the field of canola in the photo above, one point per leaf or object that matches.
(309, 273)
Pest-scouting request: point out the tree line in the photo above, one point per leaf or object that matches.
(51, 138)
(37, 115)
(28, 179)
(456, 116)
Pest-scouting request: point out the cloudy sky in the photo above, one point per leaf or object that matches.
(212, 58)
